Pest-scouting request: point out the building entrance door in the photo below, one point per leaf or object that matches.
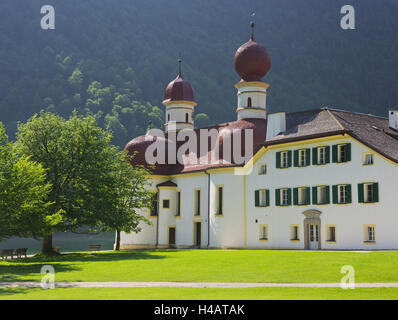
(172, 237)
(198, 234)
(313, 232)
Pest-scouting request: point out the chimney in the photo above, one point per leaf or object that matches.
(393, 119)
(276, 124)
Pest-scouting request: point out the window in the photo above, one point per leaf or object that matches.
(197, 202)
(168, 117)
(368, 192)
(261, 198)
(262, 169)
(294, 233)
(370, 233)
(154, 209)
(263, 232)
(220, 204)
(330, 233)
(166, 204)
(283, 197)
(186, 117)
(303, 197)
(249, 102)
(342, 194)
(367, 159)
(302, 160)
(320, 195)
(321, 155)
(342, 153)
(283, 159)
(178, 208)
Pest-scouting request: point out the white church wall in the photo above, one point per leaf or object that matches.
(227, 230)
(187, 184)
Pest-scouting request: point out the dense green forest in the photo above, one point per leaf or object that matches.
(115, 58)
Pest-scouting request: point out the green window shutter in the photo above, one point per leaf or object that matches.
(295, 196)
(334, 153)
(314, 156)
(334, 191)
(327, 194)
(257, 198)
(277, 197)
(348, 158)
(349, 197)
(360, 193)
(327, 158)
(289, 197)
(289, 158)
(375, 192)
(308, 191)
(308, 157)
(296, 158)
(314, 195)
(278, 160)
(267, 195)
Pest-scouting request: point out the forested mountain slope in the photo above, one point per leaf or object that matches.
(115, 58)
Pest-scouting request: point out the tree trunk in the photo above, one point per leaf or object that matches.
(117, 246)
(47, 246)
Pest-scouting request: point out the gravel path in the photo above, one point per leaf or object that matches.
(193, 285)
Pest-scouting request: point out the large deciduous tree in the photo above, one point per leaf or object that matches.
(86, 173)
(23, 191)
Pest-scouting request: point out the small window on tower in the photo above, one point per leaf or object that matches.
(168, 117)
(249, 102)
(186, 117)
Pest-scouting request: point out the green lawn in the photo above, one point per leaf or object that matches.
(199, 294)
(207, 266)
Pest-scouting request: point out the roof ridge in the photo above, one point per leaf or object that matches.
(354, 112)
(334, 118)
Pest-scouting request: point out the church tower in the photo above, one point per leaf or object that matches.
(252, 62)
(179, 100)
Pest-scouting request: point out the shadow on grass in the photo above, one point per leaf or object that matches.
(6, 291)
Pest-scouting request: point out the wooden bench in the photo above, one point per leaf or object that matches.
(7, 253)
(94, 247)
(21, 252)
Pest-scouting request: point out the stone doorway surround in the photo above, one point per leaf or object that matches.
(312, 216)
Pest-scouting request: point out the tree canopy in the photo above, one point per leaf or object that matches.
(89, 176)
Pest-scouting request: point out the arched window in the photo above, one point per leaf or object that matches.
(186, 117)
(168, 117)
(249, 102)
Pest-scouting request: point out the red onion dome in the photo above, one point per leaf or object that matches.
(252, 61)
(179, 90)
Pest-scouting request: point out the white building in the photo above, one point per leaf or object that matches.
(318, 179)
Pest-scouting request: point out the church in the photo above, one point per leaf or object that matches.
(320, 179)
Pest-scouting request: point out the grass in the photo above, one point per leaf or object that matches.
(209, 266)
(199, 294)
(206, 266)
